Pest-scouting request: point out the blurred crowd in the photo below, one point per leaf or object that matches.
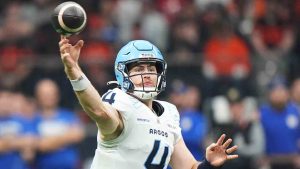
(233, 67)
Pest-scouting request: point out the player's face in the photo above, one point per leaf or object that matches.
(143, 75)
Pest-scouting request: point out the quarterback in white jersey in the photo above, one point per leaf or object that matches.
(147, 139)
(134, 130)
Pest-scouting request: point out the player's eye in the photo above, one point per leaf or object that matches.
(137, 70)
(140, 69)
(152, 69)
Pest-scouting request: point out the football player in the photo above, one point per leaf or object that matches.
(136, 131)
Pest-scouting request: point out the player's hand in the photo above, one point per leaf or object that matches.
(69, 53)
(218, 153)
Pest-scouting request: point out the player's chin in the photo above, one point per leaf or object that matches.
(149, 85)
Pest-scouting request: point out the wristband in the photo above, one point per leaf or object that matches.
(206, 165)
(81, 83)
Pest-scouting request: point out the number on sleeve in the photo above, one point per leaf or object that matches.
(149, 164)
(109, 97)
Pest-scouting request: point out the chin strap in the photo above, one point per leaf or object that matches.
(145, 95)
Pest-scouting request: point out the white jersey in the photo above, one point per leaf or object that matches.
(147, 140)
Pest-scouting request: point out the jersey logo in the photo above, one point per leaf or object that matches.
(143, 120)
(146, 55)
(158, 132)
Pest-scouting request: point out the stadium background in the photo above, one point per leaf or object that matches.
(235, 49)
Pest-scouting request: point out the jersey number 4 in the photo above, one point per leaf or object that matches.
(109, 97)
(149, 162)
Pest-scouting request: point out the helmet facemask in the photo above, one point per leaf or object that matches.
(144, 92)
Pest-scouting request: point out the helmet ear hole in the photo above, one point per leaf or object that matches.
(127, 84)
(159, 67)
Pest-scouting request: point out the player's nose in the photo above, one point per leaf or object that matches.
(146, 73)
(146, 76)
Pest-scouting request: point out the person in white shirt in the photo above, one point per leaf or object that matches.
(135, 131)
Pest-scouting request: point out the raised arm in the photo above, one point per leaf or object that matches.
(107, 118)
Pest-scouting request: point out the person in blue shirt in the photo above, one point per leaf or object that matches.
(192, 121)
(280, 120)
(295, 98)
(14, 139)
(59, 130)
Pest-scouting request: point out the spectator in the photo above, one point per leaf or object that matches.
(185, 38)
(193, 123)
(273, 38)
(226, 61)
(29, 118)
(59, 130)
(295, 99)
(158, 33)
(280, 121)
(133, 10)
(171, 8)
(235, 114)
(14, 25)
(247, 130)
(13, 139)
(15, 65)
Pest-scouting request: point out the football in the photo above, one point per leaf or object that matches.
(69, 18)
